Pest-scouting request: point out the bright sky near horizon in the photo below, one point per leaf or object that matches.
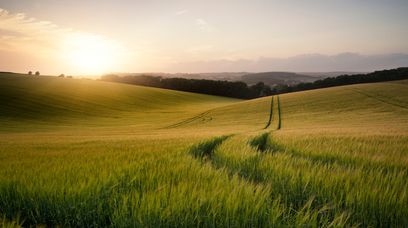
(99, 36)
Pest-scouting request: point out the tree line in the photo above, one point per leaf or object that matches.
(237, 89)
(211, 87)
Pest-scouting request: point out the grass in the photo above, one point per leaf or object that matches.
(344, 186)
(51, 102)
(10, 224)
(90, 154)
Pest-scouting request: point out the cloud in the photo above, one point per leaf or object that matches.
(181, 12)
(203, 25)
(200, 49)
(41, 44)
(301, 63)
(18, 32)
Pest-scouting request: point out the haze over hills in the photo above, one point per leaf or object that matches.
(278, 78)
(332, 73)
(348, 61)
(270, 78)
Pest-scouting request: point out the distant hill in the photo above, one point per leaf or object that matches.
(331, 73)
(376, 76)
(278, 78)
(223, 76)
(257, 84)
(53, 99)
(269, 78)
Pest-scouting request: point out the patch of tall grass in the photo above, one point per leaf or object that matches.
(341, 189)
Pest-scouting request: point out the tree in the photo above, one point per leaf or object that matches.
(219, 88)
(37, 73)
(30, 72)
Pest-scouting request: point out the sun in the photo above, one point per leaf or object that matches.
(90, 54)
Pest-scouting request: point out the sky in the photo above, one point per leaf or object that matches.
(90, 37)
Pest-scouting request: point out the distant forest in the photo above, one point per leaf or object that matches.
(211, 87)
(243, 91)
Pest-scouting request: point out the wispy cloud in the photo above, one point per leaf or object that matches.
(42, 41)
(181, 12)
(19, 32)
(203, 25)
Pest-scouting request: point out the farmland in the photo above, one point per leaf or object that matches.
(76, 152)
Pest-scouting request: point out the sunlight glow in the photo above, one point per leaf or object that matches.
(92, 54)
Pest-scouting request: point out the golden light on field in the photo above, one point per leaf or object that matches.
(91, 54)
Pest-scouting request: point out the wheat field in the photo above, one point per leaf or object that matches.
(87, 153)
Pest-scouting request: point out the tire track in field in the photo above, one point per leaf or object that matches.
(279, 114)
(205, 150)
(378, 98)
(194, 118)
(296, 194)
(204, 114)
(264, 144)
(189, 120)
(249, 170)
(270, 114)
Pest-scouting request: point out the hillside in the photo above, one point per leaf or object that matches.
(365, 106)
(84, 153)
(331, 74)
(344, 146)
(48, 100)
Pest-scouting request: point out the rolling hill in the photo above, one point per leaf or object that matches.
(49, 100)
(88, 153)
(365, 106)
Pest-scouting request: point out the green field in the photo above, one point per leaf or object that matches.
(76, 152)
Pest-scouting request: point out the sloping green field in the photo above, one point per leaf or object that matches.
(51, 102)
(89, 153)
